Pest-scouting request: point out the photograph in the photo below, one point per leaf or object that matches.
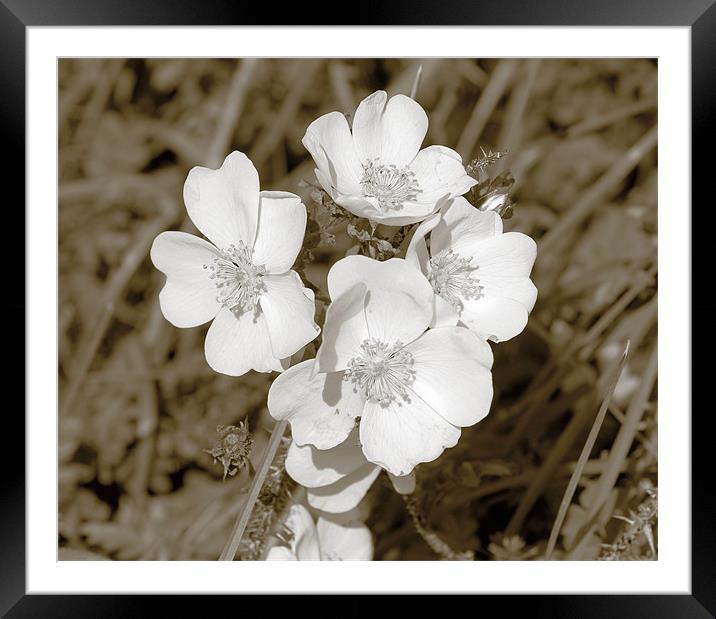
(357, 309)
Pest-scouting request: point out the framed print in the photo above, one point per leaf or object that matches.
(385, 294)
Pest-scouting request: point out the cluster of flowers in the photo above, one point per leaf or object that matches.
(404, 362)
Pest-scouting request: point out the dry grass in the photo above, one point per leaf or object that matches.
(138, 404)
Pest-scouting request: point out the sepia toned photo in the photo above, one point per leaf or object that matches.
(335, 309)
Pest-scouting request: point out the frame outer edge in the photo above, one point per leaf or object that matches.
(12, 312)
(703, 117)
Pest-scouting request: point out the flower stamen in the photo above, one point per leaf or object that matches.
(238, 280)
(383, 371)
(452, 278)
(390, 185)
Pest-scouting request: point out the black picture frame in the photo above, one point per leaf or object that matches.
(699, 15)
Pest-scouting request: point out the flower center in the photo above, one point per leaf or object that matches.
(452, 277)
(383, 371)
(388, 184)
(239, 281)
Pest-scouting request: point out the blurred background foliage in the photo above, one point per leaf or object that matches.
(139, 405)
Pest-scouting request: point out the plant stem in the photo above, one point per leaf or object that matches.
(437, 545)
(232, 545)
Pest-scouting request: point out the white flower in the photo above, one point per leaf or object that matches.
(412, 389)
(324, 540)
(337, 479)
(242, 279)
(479, 274)
(379, 172)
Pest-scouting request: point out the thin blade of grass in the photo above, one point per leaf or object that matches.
(416, 83)
(232, 111)
(599, 192)
(620, 450)
(597, 123)
(275, 131)
(116, 285)
(510, 134)
(546, 383)
(626, 435)
(340, 82)
(232, 545)
(548, 469)
(584, 456)
(490, 97)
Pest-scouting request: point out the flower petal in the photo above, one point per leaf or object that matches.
(288, 311)
(410, 213)
(394, 315)
(509, 255)
(320, 408)
(325, 181)
(314, 468)
(444, 314)
(439, 172)
(464, 228)
(392, 131)
(280, 553)
(503, 263)
(344, 329)
(496, 318)
(281, 227)
(367, 127)
(224, 203)
(403, 484)
(399, 301)
(344, 494)
(404, 126)
(417, 252)
(389, 274)
(344, 542)
(452, 374)
(188, 298)
(359, 206)
(403, 434)
(305, 542)
(507, 295)
(520, 289)
(329, 140)
(236, 344)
